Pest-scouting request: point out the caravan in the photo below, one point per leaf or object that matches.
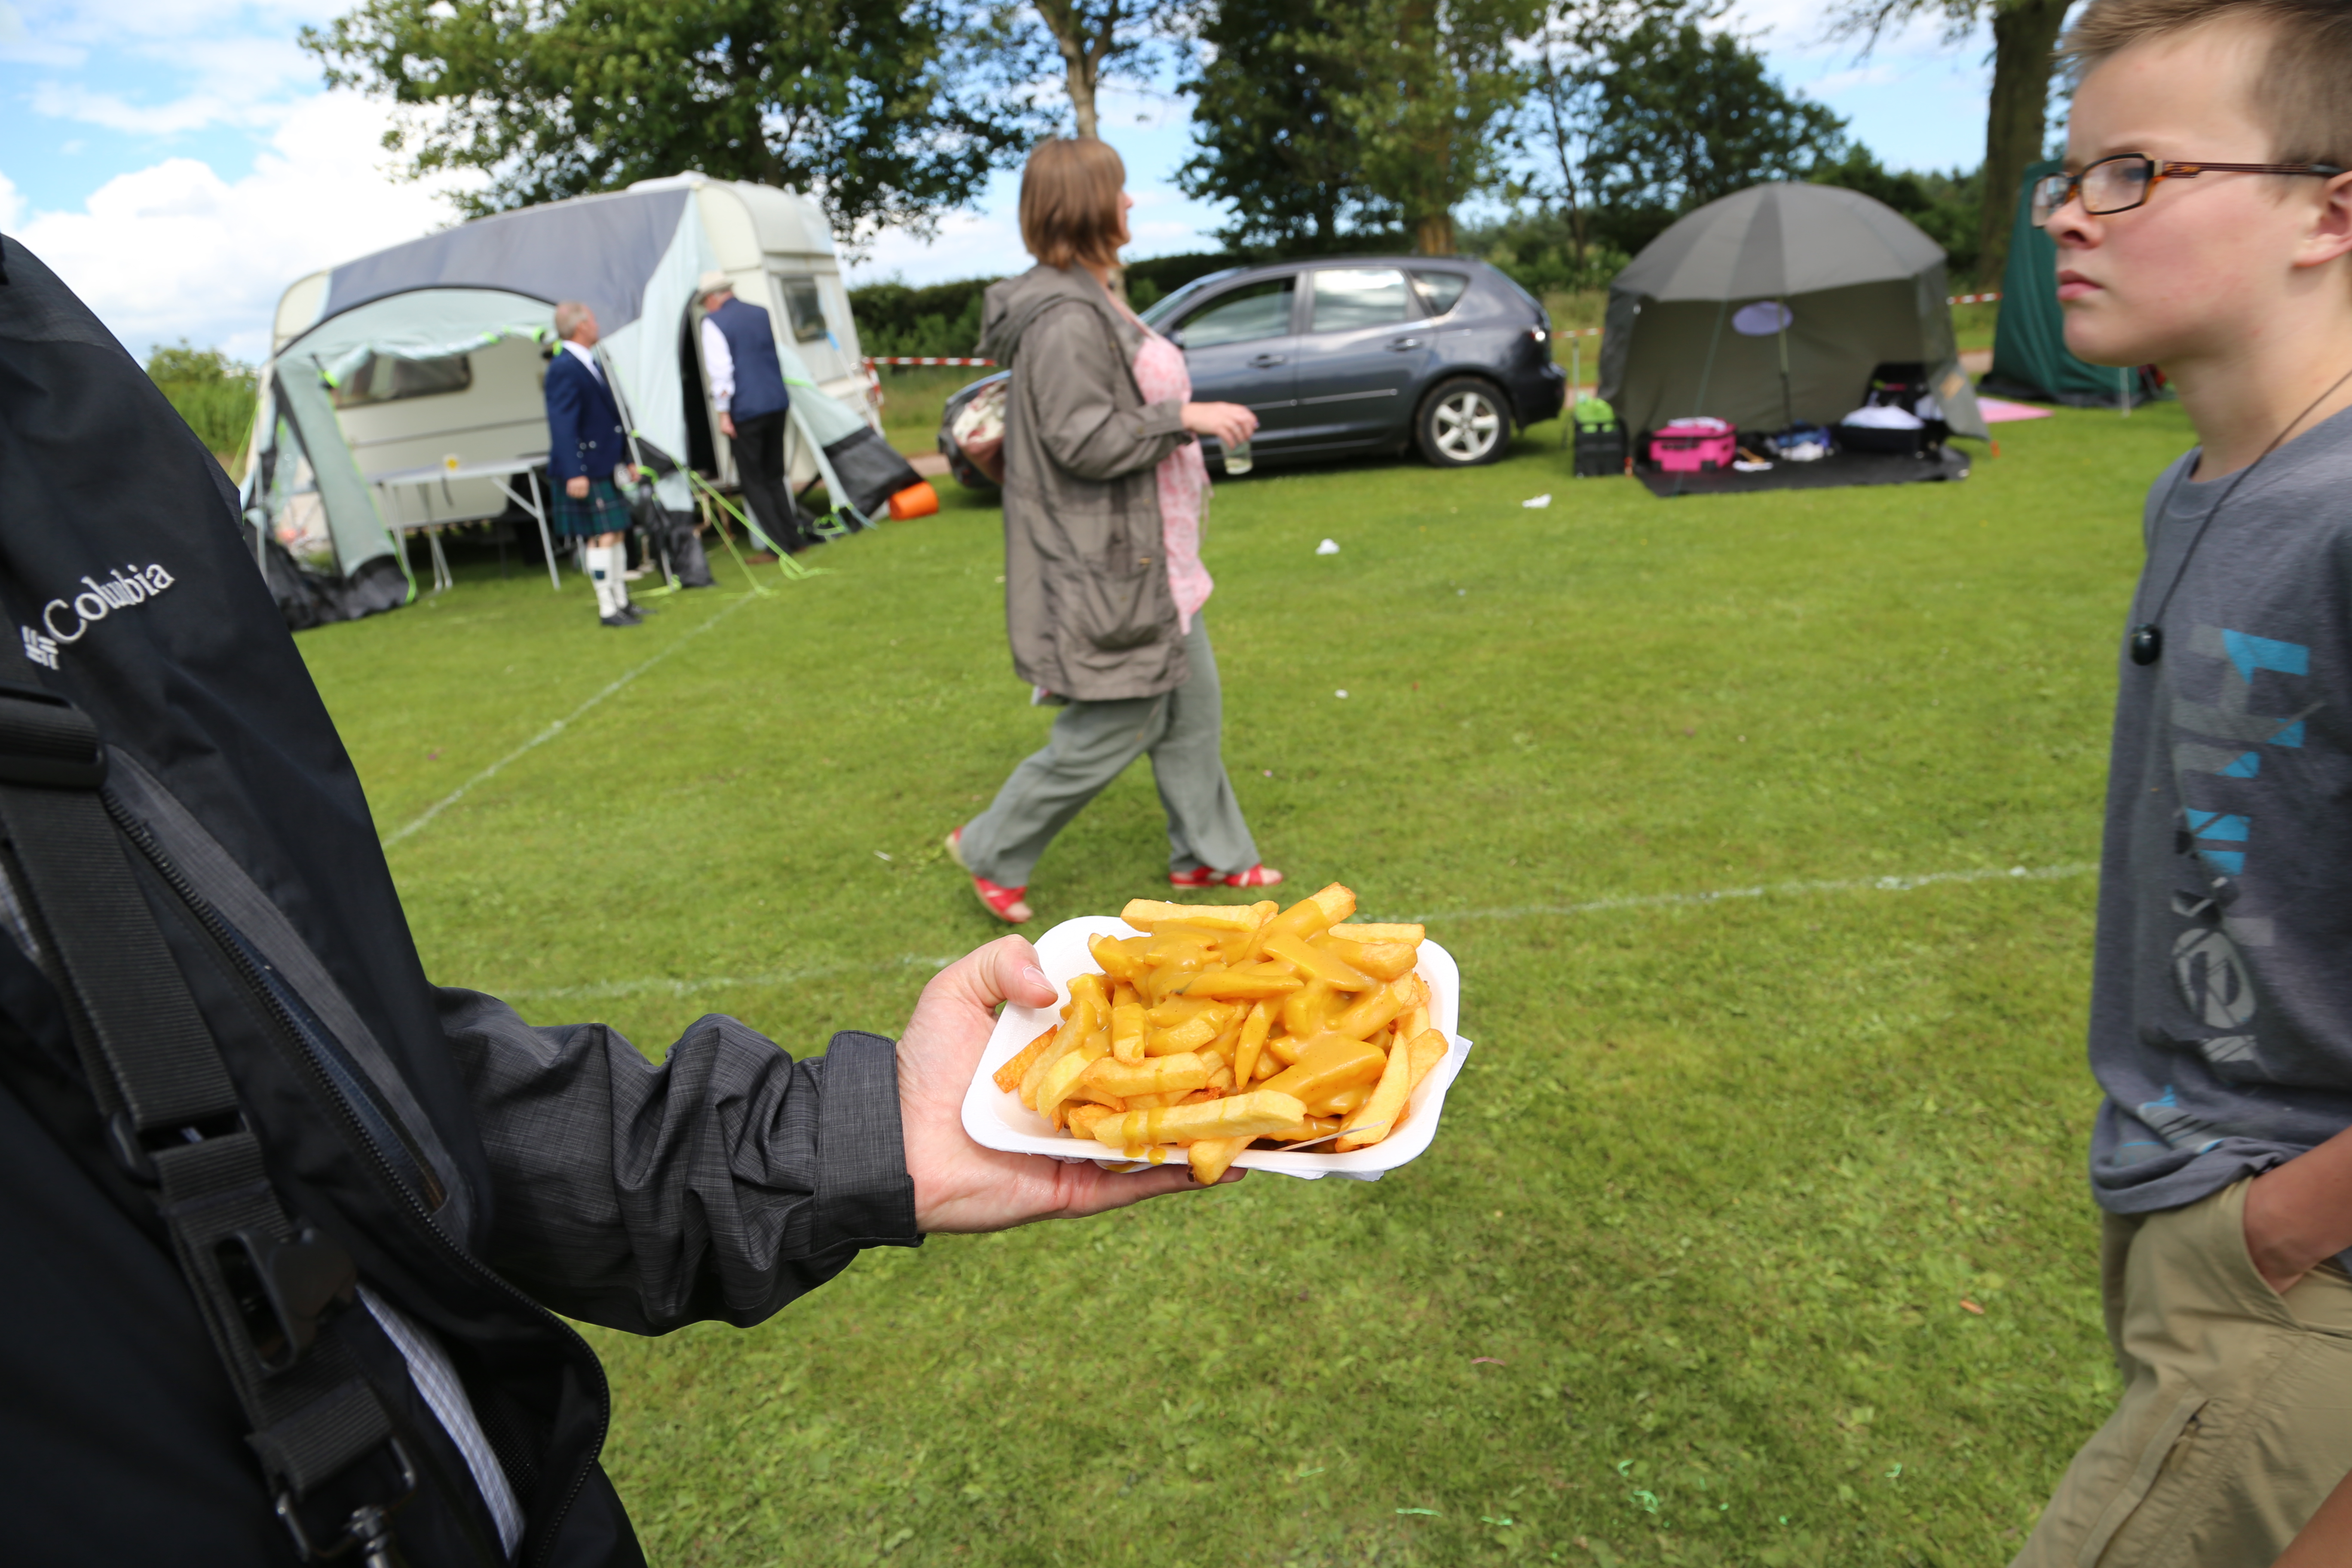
(404, 388)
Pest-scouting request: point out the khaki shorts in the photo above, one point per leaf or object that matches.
(2236, 1419)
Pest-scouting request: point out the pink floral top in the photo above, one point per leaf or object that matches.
(1160, 374)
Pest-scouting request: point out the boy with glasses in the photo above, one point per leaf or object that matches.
(2205, 225)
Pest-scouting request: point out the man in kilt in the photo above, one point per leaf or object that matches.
(587, 450)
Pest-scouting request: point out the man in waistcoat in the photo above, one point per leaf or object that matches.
(747, 389)
(587, 449)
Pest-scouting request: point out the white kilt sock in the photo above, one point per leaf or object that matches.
(607, 581)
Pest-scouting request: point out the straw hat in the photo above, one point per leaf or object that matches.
(714, 283)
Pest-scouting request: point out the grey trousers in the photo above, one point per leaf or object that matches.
(1091, 745)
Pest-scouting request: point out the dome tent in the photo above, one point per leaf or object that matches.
(426, 358)
(1692, 328)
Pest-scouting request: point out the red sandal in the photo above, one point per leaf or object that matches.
(1007, 904)
(1198, 877)
(1258, 876)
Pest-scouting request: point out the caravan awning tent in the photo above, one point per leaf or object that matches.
(1773, 306)
(430, 356)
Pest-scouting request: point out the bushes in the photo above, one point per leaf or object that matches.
(944, 318)
(212, 392)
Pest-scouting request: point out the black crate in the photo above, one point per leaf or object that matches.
(1889, 442)
(1599, 451)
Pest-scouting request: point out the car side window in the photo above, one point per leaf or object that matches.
(1241, 315)
(1350, 297)
(1440, 290)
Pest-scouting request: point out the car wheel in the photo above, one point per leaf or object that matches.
(1464, 423)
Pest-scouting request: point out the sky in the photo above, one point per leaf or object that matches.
(179, 162)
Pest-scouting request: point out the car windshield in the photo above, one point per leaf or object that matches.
(1166, 307)
(1253, 311)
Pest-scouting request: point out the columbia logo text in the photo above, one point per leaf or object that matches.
(66, 620)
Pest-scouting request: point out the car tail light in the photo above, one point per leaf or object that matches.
(1537, 335)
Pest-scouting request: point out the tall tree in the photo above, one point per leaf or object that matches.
(1434, 86)
(877, 111)
(1269, 140)
(2017, 117)
(1084, 43)
(1556, 124)
(1682, 116)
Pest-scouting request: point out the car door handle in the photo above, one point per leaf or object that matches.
(1401, 344)
(1267, 361)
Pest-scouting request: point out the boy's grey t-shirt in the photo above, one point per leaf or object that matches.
(2221, 989)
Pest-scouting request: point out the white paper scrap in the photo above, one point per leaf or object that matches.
(1328, 547)
(1533, 502)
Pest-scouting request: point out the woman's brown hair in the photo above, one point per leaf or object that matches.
(1069, 203)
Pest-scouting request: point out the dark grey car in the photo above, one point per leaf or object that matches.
(1345, 355)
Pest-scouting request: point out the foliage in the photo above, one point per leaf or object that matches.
(213, 393)
(1428, 87)
(1538, 249)
(1272, 144)
(1084, 42)
(877, 111)
(1944, 205)
(1681, 117)
(1721, 1171)
(944, 318)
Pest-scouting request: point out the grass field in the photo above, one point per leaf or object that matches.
(1756, 1232)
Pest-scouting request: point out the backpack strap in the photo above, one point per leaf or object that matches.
(262, 1282)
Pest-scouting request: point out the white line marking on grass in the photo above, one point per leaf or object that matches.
(557, 728)
(1776, 889)
(664, 987)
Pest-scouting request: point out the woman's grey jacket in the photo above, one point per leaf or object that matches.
(1086, 600)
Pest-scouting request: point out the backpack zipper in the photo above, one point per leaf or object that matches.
(225, 936)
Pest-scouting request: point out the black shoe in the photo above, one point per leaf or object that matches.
(621, 622)
(641, 611)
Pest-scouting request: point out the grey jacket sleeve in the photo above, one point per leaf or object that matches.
(1072, 370)
(721, 1183)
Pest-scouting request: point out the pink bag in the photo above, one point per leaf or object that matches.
(1687, 445)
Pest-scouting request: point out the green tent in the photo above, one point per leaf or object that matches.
(2029, 353)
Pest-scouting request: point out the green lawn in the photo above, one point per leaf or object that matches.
(1719, 1188)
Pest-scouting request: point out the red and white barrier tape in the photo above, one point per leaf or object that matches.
(1973, 299)
(923, 359)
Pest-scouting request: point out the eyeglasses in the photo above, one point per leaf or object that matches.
(2119, 183)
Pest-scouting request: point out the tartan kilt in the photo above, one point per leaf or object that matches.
(601, 510)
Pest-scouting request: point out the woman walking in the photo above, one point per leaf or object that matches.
(1104, 494)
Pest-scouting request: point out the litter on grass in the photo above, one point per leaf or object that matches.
(1970, 1306)
(1341, 692)
(1534, 503)
(1328, 547)
(1487, 1360)
(1424, 1512)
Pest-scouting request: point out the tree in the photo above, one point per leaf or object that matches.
(1944, 206)
(1271, 145)
(2025, 50)
(1558, 122)
(1682, 116)
(1430, 88)
(876, 111)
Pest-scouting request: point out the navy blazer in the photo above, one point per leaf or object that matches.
(583, 423)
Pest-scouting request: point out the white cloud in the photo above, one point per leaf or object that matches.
(173, 250)
(12, 206)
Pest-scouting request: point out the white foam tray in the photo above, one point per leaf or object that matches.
(998, 1120)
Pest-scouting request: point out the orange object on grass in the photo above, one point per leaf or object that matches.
(915, 501)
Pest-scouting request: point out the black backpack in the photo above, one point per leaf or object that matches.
(225, 1097)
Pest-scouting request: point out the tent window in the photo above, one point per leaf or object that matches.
(386, 378)
(1440, 290)
(806, 307)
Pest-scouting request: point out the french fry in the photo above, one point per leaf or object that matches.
(1337, 902)
(1212, 1157)
(1065, 1039)
(1084, 1117)
(1123, 994)
(1149, 914)
(1242, 984)
(1154, 1101)
(1317, 964)
(1374, 933)
(1268, 1063)
(1192, 1034)
(1127, 1032)
(1160, 1075)
(1329, 1062)
(1117, 960)
(1255, 1029)
(1176, 1010)
(1376, 1010)
(1428, 1049)
(1064, 1075)
(1306, 1011)
(1285, 1049)
(1372, 1123)
(1343, 1102)
(1008, 1077)
(1306, 1127)
(1380, 960)
(1236, 1116)
(1304, 918)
